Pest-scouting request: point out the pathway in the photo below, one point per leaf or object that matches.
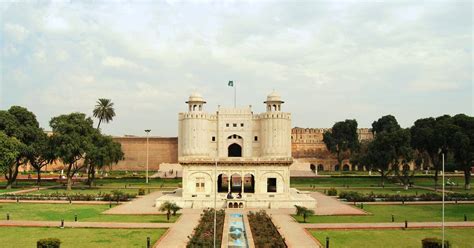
(327, 205)
(28, 190)
(140, 205)
(389, 225)
(122, 225)
(294, 233)
(177, 235)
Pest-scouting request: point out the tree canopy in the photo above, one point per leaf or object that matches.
(104, 111)
(342, 139)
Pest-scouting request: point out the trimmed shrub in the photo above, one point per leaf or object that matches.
(141, 191)
(434, 243)
(48, 243)
(332, 192)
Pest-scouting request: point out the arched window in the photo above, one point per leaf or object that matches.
(346, 167)
(234, 150)
(320, 167)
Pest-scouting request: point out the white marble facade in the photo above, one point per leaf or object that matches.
(235, 152)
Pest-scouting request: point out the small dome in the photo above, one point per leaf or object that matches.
(274, 97)
(195, 97)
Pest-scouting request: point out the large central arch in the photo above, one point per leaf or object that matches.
(234, 150)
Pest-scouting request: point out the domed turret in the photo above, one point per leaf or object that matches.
(274, 102)
(195, 102)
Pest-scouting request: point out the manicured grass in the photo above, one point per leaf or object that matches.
(411, 238)
(416, 213)
(79, 237)
(56, 212)
(372, 181)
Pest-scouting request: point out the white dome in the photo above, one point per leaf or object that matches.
(274, 97)
(195, 97)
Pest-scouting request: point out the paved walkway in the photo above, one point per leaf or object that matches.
(327, 205)
(389, 225)
(128, 225)
(141, 205)
(294, 233)
(177, 235)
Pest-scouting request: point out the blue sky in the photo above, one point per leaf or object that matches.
(330, 60)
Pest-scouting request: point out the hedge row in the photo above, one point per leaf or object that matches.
(203, 235)
(354, 196)
(71, 197)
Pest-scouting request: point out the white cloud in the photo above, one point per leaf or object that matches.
(330, 60)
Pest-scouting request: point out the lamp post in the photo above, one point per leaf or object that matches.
(147, 133)
(442, 244)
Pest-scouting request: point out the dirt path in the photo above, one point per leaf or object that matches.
(327, 205)
(177, 235)
(121, 225)
(294, 233)
(389, 225)
(140, 205)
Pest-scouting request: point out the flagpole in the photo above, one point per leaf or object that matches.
(235, 95)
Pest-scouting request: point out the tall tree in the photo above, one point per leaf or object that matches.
(104, 111)
(20, 123)
(72, 138)
(463, 146)
(104, 151)
(10, 149)
(342, 140)
(41, 154)
(387, 123)
(389, 149)
(433, 136)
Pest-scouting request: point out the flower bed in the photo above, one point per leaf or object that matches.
(203, 235)
(264, 232)
(353, 196)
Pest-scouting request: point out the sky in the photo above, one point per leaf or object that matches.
(329, 60)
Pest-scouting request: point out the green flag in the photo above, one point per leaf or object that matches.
(231, 83)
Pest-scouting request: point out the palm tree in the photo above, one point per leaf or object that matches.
(166, 207)
(104, 110)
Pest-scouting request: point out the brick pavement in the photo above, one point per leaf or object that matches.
(121, 225)
(388, 225)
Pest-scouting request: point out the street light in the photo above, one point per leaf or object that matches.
(442, 244)
(147, 133)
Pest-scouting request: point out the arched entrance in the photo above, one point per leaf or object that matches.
(320, 167)
(337, 167)
(236, 183)
(234, 150)
(249, 183)
(222, 183)
(346, 167)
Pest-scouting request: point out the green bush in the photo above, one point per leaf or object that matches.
(48, 243)
(332, 192)
(141, 191)
(434, 243)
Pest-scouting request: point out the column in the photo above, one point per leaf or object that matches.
(242, 183)
(229, 178)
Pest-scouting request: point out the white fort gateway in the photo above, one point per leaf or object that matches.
(239, 158)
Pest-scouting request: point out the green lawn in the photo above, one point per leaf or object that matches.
(411, 238)
(383, 213)
(373, 181)
(56, 212)
(79, 237)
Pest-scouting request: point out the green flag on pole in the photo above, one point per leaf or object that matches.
(231, 83)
